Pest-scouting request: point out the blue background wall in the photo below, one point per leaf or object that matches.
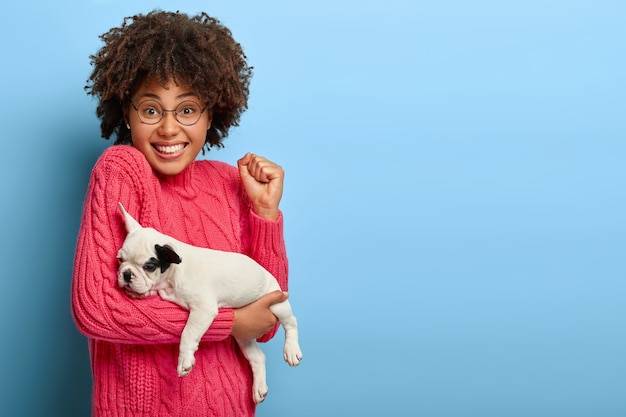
(454, 200)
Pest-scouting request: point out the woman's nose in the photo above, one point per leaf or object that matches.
(168, 125)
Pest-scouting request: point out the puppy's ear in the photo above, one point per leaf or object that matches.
(131, 223)
(166, 256)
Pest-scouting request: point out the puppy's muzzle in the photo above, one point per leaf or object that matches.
(128, 276)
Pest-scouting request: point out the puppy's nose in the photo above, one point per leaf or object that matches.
(127, 276)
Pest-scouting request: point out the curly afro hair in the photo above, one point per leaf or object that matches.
(198, 52)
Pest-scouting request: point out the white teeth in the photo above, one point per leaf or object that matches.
(170, 149)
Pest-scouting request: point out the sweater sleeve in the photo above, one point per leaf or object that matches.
(266, 245)
(99, 307)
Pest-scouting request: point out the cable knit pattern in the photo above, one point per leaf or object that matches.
(134, 343)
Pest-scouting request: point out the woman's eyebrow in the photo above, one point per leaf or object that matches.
(146, 95)
(185, 95)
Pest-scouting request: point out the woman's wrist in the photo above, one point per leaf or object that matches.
(271, 214)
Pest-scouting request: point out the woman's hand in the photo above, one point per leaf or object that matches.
(256, 319)
(263, 182)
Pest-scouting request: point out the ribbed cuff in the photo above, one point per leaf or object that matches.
(221, 327)
(266, 233)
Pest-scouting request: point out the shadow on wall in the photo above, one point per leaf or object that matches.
(73, 355)
(51, 371)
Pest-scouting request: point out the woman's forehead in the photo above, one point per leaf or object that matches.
(170, 91)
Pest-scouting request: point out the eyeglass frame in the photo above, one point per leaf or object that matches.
(163, 111)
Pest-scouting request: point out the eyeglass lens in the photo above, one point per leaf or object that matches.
(151, 112)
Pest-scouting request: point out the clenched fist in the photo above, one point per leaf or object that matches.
(263, 182)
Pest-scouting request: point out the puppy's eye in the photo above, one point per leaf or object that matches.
(150, 266)
(119, 259)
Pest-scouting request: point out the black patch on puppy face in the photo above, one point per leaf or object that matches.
(166, 256)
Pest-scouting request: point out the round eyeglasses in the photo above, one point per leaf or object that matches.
(151, 112)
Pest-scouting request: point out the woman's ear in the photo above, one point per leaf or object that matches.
(125, 112)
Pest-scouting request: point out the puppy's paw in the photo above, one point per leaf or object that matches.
(185, 364)
(292, 354)
(259, 392)
(184, 371)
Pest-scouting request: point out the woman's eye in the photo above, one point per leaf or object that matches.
(149, 110)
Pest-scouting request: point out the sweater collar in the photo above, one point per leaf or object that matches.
(182, 183)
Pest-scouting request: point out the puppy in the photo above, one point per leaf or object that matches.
(201, 280)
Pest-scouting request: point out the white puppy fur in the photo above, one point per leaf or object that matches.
(201, 280)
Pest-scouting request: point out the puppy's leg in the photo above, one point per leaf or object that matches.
(200, 318)
(291, 352)
(256, 357)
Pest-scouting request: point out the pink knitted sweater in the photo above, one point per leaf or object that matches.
(133, 344)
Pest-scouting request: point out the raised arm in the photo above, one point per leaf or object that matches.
(262, 182)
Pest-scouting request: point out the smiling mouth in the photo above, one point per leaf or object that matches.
(170, 149)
